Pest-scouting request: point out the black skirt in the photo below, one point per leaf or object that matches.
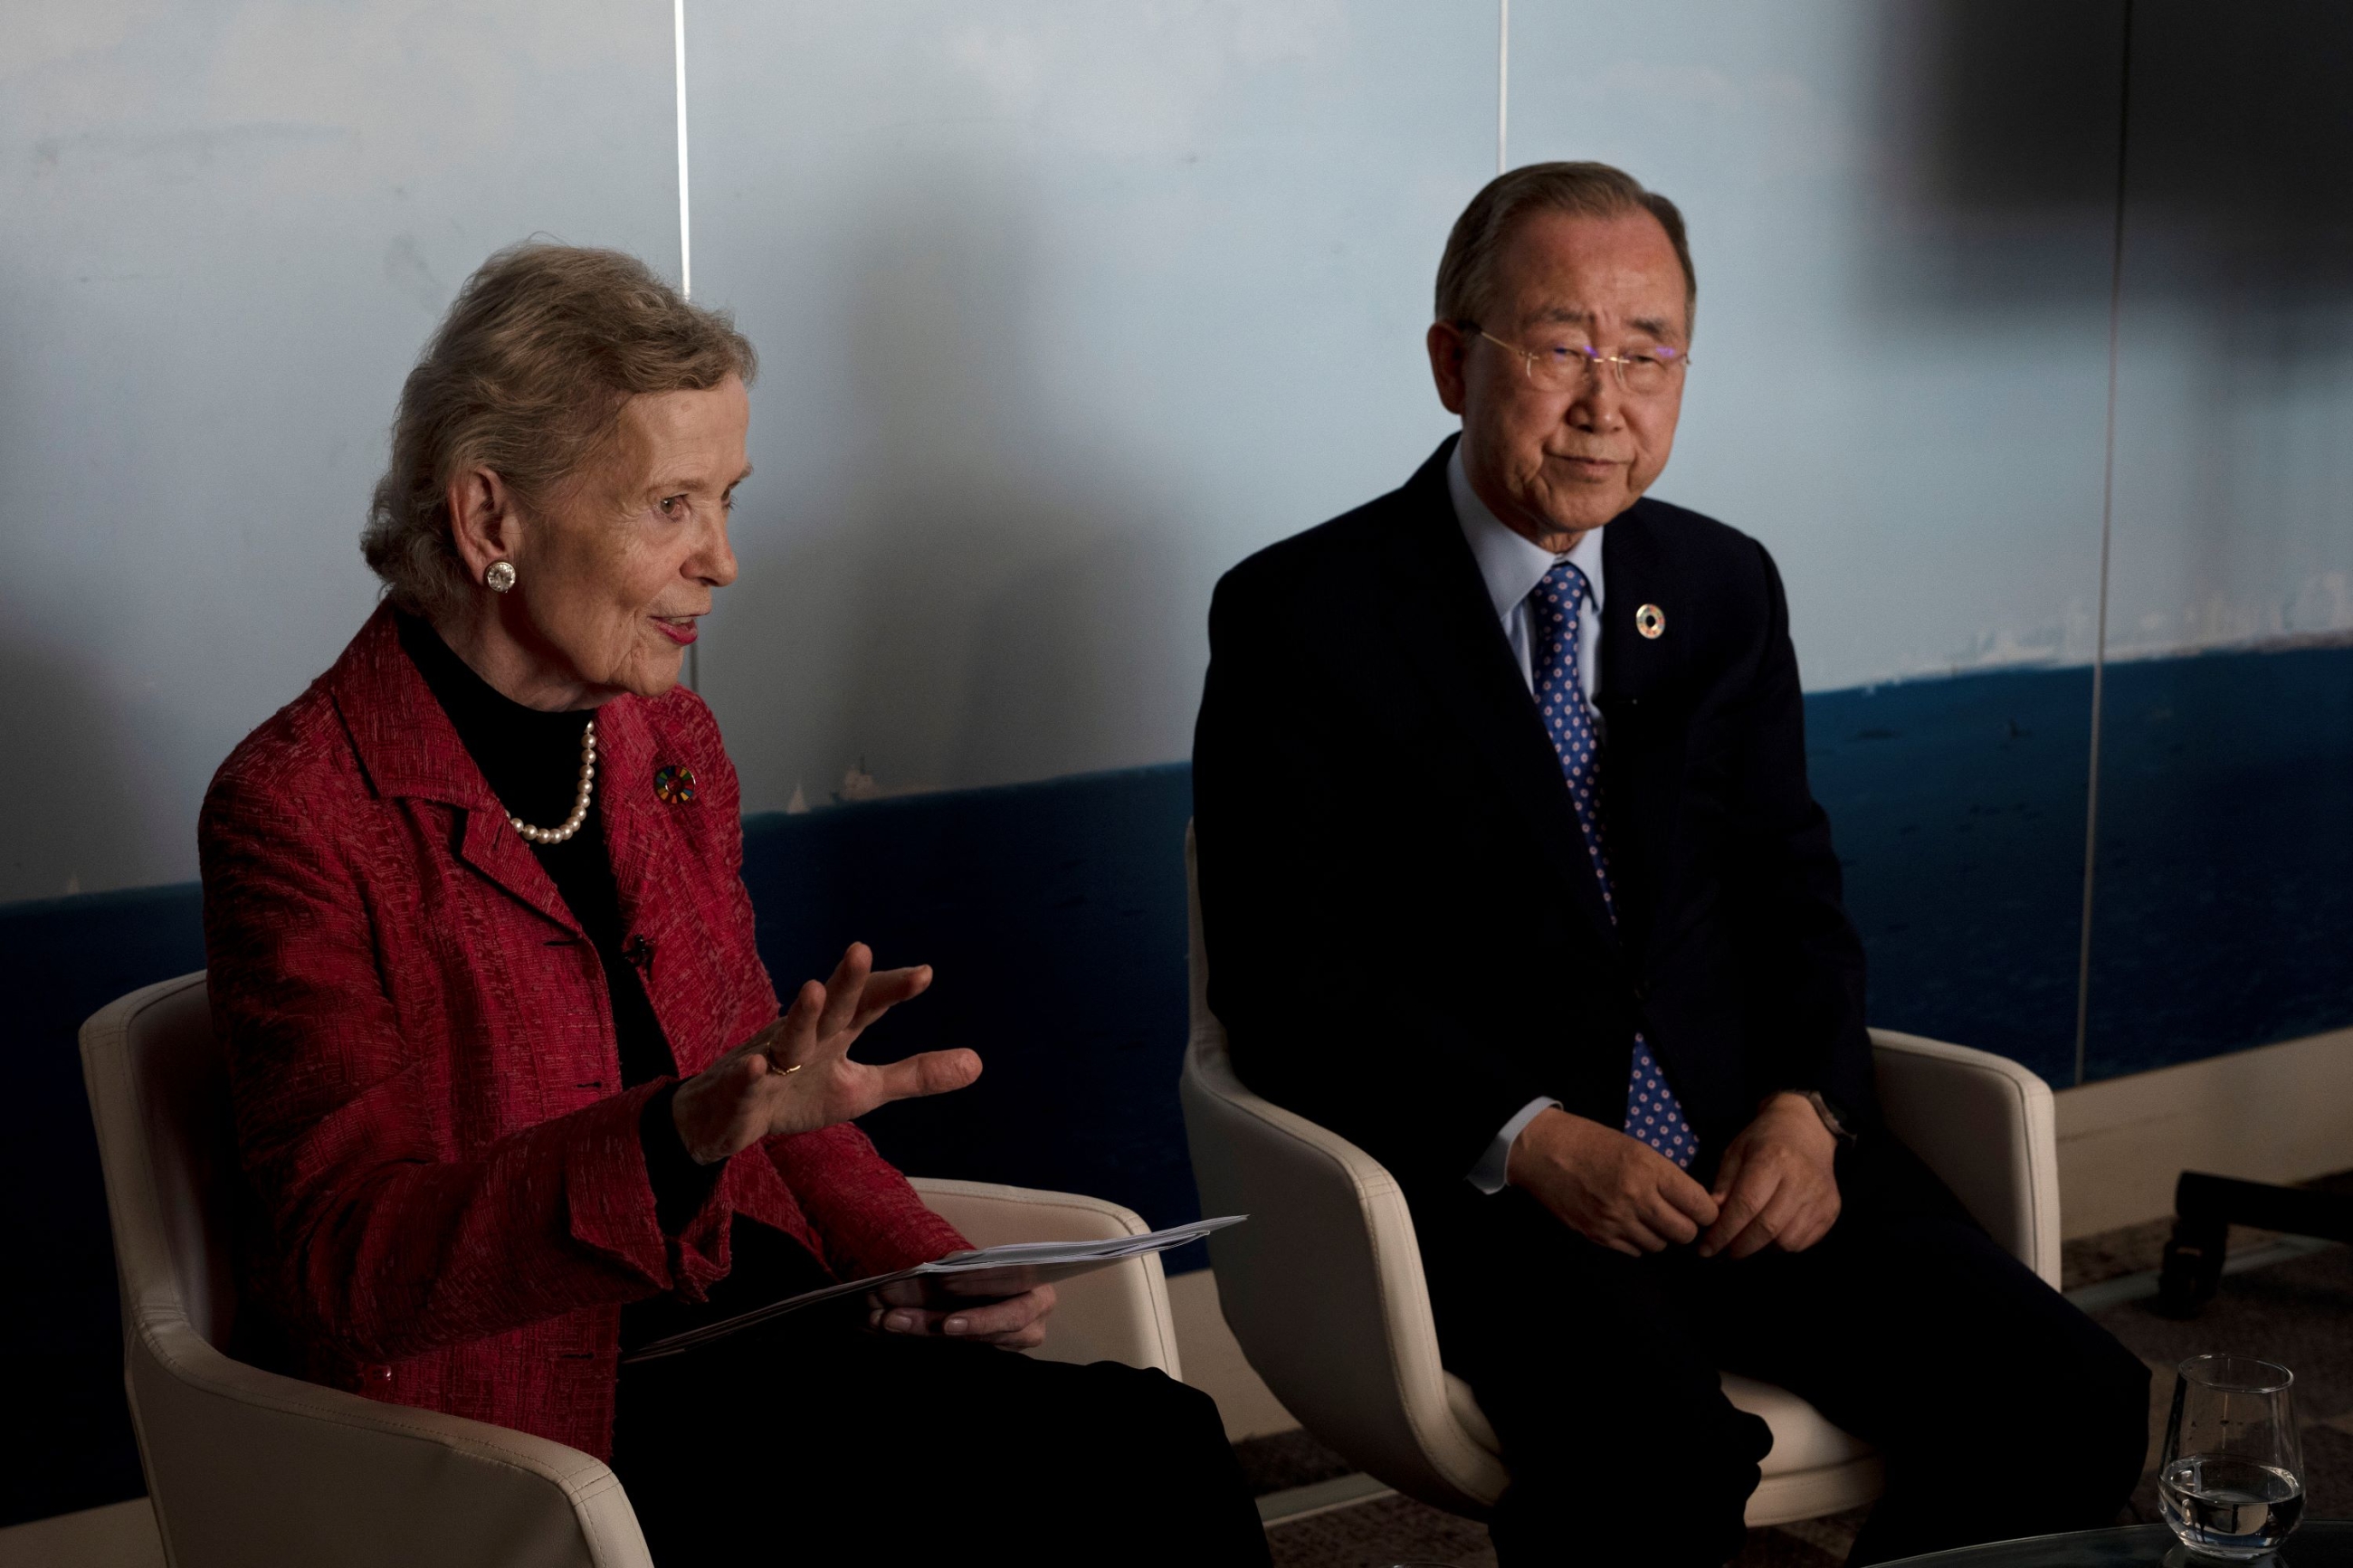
(812, 1440)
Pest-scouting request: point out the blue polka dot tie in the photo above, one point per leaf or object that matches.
(1651, 1111)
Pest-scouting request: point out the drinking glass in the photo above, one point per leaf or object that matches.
(2231, 1478)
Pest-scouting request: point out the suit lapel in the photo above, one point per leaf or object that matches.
(409, 748)
(495, 850)
(1441, 610)
(1641, 753)
(634, 828)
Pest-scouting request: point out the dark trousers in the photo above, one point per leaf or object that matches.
(814, 1441)
(2001, 1411)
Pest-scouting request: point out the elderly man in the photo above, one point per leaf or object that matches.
(1511, 875)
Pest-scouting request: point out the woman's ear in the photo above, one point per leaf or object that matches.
(483, 520)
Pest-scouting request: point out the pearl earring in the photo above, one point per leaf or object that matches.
(500, 577)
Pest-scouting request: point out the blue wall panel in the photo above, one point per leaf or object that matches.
(2224, 916)
(61, 961)
(1054, 916)
(1957, 808)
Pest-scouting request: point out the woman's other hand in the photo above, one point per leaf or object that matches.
(926, 1309)
(796, 1074)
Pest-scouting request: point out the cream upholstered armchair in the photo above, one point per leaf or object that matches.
(250, 1469)
(1323, 1287)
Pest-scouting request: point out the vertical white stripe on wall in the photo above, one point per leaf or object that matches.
(1502, 83)
(685, 227)
(2107, 518)
(685, 237)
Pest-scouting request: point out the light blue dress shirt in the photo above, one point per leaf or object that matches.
(1512, 564)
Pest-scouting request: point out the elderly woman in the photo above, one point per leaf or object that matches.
(510, 1085)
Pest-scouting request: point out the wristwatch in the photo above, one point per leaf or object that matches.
(1828, 1113)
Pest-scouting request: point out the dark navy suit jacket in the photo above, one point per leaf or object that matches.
(1406, 942)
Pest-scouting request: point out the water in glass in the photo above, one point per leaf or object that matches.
(2231, 1478)
(2230, 1507)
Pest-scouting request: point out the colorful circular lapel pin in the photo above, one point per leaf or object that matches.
(674, 785)
(1650, 620)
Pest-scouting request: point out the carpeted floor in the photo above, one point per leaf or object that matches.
(2295, 1312)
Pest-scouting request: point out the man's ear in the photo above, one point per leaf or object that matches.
(1447, 349)
(483, 520)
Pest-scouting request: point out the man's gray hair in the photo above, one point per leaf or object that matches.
(1466, 273)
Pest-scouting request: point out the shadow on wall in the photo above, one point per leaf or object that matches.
(2001, 120)
(1997, 121)
(72, 794)
(999, 587)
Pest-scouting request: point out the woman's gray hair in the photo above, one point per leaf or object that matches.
(527, 377)
(1466, 272)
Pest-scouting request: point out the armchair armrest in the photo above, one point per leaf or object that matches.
(1986, 1126)
(1120, 1313)
(251, 1470)
(1324, 1292)
(251, 1467)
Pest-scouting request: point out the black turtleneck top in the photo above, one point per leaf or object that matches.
(531, 760)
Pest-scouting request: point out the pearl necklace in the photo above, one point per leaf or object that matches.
(570, 824)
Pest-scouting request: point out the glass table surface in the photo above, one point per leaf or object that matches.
(2317, 1544)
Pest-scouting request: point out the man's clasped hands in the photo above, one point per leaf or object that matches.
(1774, 1187)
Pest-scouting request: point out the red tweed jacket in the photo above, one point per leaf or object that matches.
(422, 1061)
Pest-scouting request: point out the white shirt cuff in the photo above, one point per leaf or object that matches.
(1487, 1175)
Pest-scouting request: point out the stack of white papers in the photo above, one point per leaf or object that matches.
(989, 1273)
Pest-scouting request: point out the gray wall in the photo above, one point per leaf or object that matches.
(2235, 470)
(1065, 308)
(228, 228)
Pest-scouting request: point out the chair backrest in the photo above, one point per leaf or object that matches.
(166, 1099)
(1324, 1288)
(1988, 1127)
(249, 1469)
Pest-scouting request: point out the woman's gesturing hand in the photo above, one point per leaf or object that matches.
(796, 1074)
